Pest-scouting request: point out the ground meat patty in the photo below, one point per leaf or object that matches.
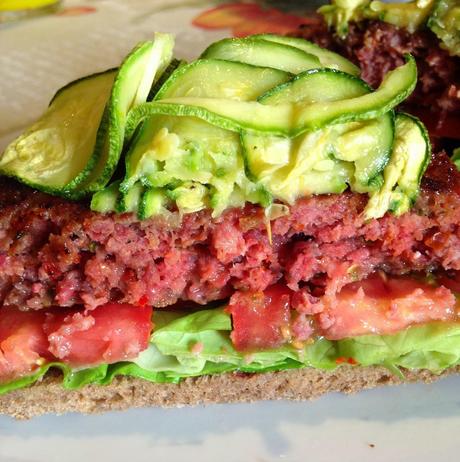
(378, 47)
(55, 252)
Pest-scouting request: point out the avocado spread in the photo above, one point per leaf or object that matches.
(445, 23)
(441, 16)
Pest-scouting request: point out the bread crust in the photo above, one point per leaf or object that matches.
(48, 396)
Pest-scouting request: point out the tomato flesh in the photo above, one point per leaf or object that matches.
(110, 333)
(23, 343)
(384, 305)
(260, 319)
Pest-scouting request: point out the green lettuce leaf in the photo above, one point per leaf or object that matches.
(72, 379)
(434, 346)
(193, 344)
(210, 329)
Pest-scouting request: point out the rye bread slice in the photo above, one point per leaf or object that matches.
(47, 396)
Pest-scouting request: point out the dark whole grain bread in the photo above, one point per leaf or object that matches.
(48, 396)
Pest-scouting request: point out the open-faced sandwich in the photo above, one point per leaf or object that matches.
(257, 224)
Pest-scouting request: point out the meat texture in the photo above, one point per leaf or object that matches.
(56, 252)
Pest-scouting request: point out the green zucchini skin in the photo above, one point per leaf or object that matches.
(152, 202)
(285, 119)
(210, 78)
(402, 175)
(327, 58)
(124, 96)
(262, 53)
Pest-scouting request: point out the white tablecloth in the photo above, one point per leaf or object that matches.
(39, 56)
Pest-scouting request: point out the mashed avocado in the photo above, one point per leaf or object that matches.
(340, 12)
(445, 23)
(441, 16)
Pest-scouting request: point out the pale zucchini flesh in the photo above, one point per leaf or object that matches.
(214, 78)
(58, 150)
(285, 119)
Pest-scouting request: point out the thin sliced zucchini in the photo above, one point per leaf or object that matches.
(130, 201)
(132, 85)
(216, 78)
(58, 150)
(326, 57)
(396, 86)
(202, 78)
(105, 201)
(367, 144)
(403, 173)
(262, 53)
(152, 203)
(173, 65)
(287, 119)
(169, 151)
(353, 153)
(178, 149)
(316, 85)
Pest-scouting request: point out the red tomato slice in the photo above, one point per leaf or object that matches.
(384, 305)
(260, 319)
(23, 343)
(110, 333)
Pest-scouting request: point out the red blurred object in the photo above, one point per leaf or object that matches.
(250, 18)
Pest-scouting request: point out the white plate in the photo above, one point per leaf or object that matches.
(416, 422)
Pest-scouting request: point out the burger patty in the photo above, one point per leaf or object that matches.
(57, 252)
(378, 47)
